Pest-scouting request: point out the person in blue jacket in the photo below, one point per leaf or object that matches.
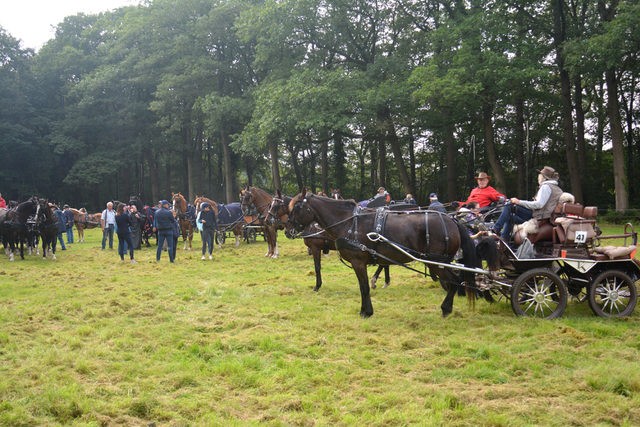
(209, 227)
(62, 228)
(435, 204)
(163, 225)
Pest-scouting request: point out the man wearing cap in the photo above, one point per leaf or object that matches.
(209, 226)
(383, 193)
(540, 208)
(108, 224)
(484, 194)
(163, 224)
(68, 216)
(435, 204)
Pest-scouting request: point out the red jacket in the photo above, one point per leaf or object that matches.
(484, 196)
(3, 204)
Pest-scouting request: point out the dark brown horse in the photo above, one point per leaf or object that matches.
(181, 207)
(423, 235)
(47, 222)
(15, 226)
(318, 242)
(261, 200)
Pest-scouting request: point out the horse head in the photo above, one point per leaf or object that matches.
(179, 202)
(246, 200)
(300, 216)
(277, 208)
(335, 194)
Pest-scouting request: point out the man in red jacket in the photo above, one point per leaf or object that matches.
(484, 194)
(3, 204)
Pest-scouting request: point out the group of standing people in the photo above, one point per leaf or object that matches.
(127, 223)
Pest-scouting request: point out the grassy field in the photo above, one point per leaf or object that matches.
(244, 341)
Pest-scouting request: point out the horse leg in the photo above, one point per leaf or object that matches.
(360, 268)
(447, 304)
(267, 232)
(317, 262)
(375, 276)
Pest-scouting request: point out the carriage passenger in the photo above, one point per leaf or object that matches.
(540, 208)
(435, 204)
(209, 227)
(3, 204)
(123, 221)
(409, 199)
(484, 194)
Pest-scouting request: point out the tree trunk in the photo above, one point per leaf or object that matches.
(382, 160)
(490, 147)
(325, 166)
(617, 140)
(153, 176)
(275, 168)
(392, 137)
(582, 145)
(565, 94)
(520, 148)
(296, 167)
(198, 164)
(450, 152)
(230, 195)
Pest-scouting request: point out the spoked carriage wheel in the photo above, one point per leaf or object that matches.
(613, 294)
(251, 235)
(539, 293)
(222, 238)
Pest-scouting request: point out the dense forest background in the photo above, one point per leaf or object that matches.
(206, 96)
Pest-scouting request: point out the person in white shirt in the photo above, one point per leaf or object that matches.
(108, 224)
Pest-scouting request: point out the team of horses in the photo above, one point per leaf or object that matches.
(362, 236)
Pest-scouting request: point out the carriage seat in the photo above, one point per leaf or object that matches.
(544, 233)
(570, 218)
(545, 229)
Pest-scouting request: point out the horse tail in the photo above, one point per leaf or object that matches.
(468, 247)
(487, 250)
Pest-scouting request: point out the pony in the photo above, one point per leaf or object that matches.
(261, 200)
(148, 213)
(47, 222)
(229, 217)
(317, 240)
(15, 226)
(417, 235)
(186, 214)
(83, 220)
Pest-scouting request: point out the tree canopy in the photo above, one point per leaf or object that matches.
(205, 96)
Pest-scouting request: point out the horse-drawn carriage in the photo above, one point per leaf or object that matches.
(537, 273)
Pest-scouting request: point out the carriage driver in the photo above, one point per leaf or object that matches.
(484, 194)
(541, 208)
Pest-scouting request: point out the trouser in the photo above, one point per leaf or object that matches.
(108, 231)
(60, 239)
(70, 234)
(511, 212)
(165, 235)
(124, 240)
(207, 239)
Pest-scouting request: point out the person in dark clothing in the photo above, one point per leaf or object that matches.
(68, 221)
(137, 221)
(209, 228)
(62, 228)
(176, 236)
(123, 222)
(409, 199)
(163, 225)
(435, 204)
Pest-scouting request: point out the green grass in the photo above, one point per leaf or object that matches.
(244, 341)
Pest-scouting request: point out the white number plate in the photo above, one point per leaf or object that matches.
(581, 237)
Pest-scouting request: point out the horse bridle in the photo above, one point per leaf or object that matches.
(276, 201)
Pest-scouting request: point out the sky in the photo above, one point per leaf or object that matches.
(32, 20)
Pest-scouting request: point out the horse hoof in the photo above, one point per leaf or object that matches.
(373, 285)
(316, 288)
(386, 285)
(54, 257)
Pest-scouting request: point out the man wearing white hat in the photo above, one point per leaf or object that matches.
(541, 208)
